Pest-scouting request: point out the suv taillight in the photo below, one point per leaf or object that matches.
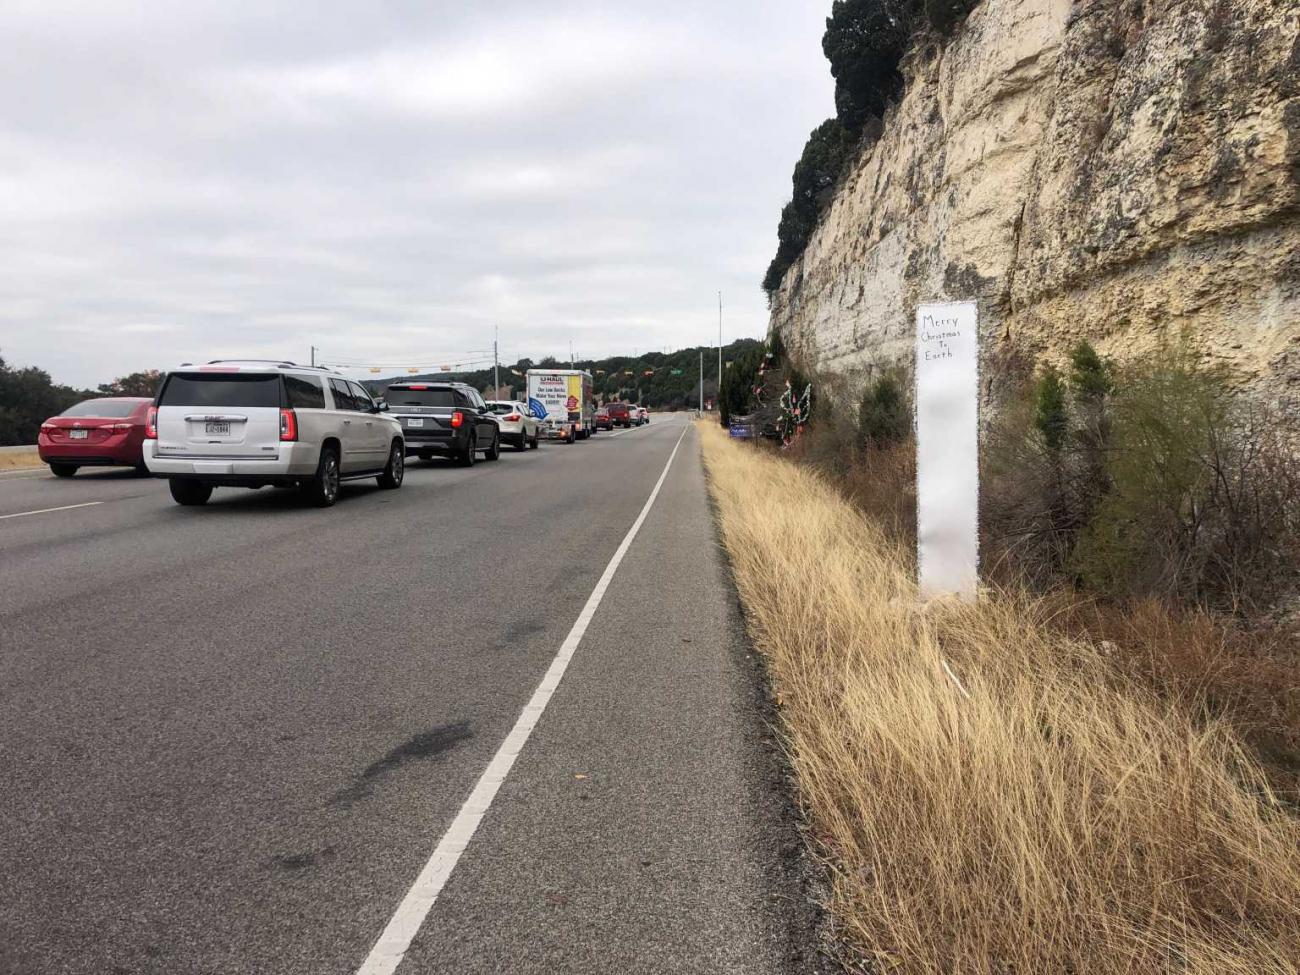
(288, 425)
(151, 424)
(512, 418)
(457, 419)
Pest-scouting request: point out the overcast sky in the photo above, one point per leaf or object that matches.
(389, 179)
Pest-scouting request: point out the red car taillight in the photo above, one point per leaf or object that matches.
(48, 427)
(512, 418)
(119, 427)
(151, 424)
(457, 419)
(288, 425)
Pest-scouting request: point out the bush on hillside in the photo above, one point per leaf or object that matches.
(865, 42)
(885, 412)
(813, 183)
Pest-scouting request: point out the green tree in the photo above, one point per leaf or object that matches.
(27, 398)
(738, 380)
(884, 414)
(824, 157)
(136, 384)
(1050, 417)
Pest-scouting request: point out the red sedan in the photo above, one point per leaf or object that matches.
(105, 432)
(602, 421)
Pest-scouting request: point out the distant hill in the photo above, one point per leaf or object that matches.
(657, 380)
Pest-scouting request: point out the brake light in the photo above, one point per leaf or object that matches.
(457, 419)
(288, 425)
(151, 424)
(119, 427)
(47, 427)
(512, 418)
(416, 387)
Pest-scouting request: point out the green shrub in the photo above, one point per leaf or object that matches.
(1049, 410)
(885, 413)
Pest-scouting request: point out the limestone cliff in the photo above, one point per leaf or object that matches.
(1116, 169)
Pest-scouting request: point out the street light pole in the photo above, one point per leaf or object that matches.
(719, 343)
(496, 366)
(701, 380)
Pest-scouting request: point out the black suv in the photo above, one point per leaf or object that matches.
(445, 418)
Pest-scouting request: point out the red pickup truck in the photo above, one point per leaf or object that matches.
(621, 414)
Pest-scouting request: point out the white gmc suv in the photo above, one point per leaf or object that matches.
(249, 423)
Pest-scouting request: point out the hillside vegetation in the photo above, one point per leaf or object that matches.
(991, 794)
(657, 380)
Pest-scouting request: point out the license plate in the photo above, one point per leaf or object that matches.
(216, 428)
(415, 423)
(78, 434)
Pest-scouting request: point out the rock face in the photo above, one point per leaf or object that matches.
(1124, 170)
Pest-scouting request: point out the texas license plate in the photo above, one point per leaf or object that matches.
(415, 423)
(216, 428)
(78, 434)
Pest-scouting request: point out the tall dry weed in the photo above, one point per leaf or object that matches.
(990, 795)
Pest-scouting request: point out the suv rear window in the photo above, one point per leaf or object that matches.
(114, 409)
(503, 408)
(305, 392)
(421, 397)
(236, 389)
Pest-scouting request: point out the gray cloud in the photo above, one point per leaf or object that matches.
(391, 179)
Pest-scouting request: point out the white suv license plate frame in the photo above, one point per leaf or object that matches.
(216, 428)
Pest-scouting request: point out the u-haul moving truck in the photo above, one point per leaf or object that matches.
(561, 399)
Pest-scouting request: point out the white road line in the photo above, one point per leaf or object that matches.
(393, 944)
(46, 511)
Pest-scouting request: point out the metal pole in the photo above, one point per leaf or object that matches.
(496, 367)
(313, 356)
(570, 353)
(719, 344)
(701, 380)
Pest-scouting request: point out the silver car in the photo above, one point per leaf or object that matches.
(519, 427)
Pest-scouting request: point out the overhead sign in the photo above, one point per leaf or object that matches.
(947, 449)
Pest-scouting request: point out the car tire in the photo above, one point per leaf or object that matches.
(323, 488)
(141, 469)
(189, 493)
(467, 457)
(63, 470)
(494, 450)
(396, 469)
(522, 445)
(535, 442)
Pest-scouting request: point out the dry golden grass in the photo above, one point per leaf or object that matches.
(990, 795)
(16, 460)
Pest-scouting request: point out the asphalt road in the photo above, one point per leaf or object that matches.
(231, 737)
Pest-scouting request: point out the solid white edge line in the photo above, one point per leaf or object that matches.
(393, 944)
(46, 511)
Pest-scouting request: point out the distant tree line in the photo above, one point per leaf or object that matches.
(865, 42)
(656, 380)
(29, 396)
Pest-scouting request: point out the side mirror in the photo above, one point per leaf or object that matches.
(381, 406)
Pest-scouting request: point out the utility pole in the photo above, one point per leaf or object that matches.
(313, 356)
(496, 366)
(570, 353)
(701, 380)
(719, 344)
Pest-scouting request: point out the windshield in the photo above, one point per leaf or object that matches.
(421, 397)
(114, 409)
(247, 391)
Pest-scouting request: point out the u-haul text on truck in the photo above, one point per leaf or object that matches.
(561, 399)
